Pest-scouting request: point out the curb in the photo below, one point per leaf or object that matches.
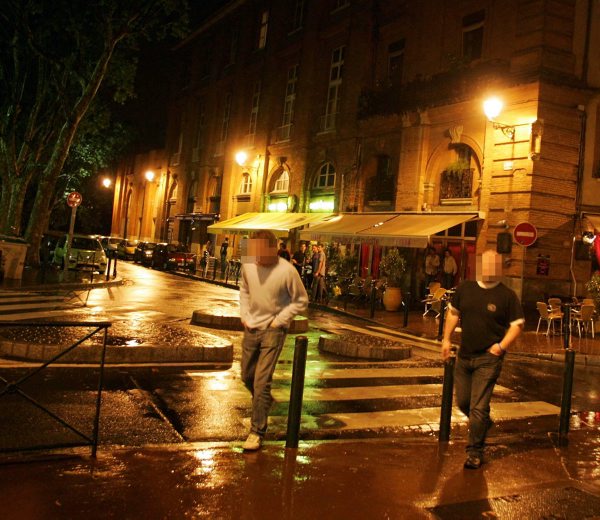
(298, 325)
(117, 355)
(333, 345)
(581, 359)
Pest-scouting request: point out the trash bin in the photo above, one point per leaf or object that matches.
(12, 257)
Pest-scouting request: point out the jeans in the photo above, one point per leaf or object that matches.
(319, 291)
(474, 383)
(260, 351)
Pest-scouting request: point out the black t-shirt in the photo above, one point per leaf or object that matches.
(224, 247)
(485, 314)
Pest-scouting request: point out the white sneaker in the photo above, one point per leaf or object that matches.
(253, 442)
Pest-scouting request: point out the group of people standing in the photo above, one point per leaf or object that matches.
(311, 268)
(433, 265)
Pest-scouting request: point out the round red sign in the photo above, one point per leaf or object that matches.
(525, 234)
(74, 199)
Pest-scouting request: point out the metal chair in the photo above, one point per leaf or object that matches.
(548, 315)
(433, 303)
(554, 303)
(584, 318)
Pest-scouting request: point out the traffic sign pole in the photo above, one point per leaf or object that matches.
(73, 200)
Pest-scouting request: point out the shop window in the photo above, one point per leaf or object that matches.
(326, 176)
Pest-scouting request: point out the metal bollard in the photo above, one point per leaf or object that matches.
(447, 392)
(567, 392)
(296, 391)
(442, 317)
(373, 300)
(406, 302)
(215, 269)
(109, 260)
(115, 264)
(237, 274)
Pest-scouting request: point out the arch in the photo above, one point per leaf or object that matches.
(280, 180)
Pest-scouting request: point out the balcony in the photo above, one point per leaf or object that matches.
(448, 87)
(456, 187)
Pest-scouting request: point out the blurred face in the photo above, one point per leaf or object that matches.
(489, 267)
(303, 247)
(260, 251)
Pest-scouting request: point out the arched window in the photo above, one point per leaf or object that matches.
(282, 184)
(326, 176)
(246, 185)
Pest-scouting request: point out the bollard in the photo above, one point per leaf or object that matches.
(114, 264)
(442, 317)
(109, 260)
(215, 268)
(447, 392)
(567, 325)
(406, 300)
(373, 300)
(565, 404)
(296, 391)
(237, 274)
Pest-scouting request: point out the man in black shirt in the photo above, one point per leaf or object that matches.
(491, 318)
(299, 258)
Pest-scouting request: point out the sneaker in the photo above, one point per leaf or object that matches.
(473, 462)
(253, 442)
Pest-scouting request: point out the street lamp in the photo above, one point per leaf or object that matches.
(492, 108)
(107, 182)
(149, 177)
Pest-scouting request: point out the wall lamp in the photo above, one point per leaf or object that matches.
(588, 237)
(492, 108)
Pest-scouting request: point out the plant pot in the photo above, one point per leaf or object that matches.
(392, 298)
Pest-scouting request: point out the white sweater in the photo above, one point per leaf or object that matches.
(271, 295)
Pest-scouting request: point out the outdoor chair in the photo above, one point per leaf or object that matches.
(433, 302)
(549, 316)
(554, 303)
(584, 317)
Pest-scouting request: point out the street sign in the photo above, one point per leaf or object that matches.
(74, 199)
(525, 234)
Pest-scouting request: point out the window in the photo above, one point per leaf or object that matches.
(472, 33)
(340, 4)
(200, 130)
(262, 33)
(288, 103)
(254, 109)
(333, 91)
(395, 61)
(225, 120)
(381, 187)
(457, 179)
(233, 46)
(298, 15)
(326, 176)
(246, 185)
(282, 183)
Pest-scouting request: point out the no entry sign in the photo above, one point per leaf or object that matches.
(74, 199)
(525, 234)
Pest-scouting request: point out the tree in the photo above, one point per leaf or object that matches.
(55, 55)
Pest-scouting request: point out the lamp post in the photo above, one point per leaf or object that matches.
(149, 177)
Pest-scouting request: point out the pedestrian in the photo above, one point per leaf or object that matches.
(223, 253)
(299, 258)
(449, 270)
(310, 267)
(491, 318)
(283, 252)
(319, 290)
(432, 264)
(271, 294)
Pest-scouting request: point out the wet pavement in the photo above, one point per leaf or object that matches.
(527, 475)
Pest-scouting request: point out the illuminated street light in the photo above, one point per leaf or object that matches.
(241, 157)
(106, 182)
(492, 108)
(149, 175)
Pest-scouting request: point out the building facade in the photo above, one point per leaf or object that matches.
(366, 106)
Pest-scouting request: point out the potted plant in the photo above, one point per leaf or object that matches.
(393, 267)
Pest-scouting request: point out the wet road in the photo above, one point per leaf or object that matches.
(343, 398)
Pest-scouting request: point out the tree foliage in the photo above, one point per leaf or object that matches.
(55, 56)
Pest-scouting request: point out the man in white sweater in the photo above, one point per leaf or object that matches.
(271, 294)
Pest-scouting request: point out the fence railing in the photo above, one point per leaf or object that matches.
(16, 387)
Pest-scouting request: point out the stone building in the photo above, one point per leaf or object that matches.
(363, 106)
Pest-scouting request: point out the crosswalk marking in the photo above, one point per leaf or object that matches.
(23, 305)
(412, 417)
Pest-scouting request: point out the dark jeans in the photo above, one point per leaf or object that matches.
(260, 351)
(474, 380)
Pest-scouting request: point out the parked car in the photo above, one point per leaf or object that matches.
(110, 244)
(171, 256)
(126, 249)
(86, 253)
(143, 252)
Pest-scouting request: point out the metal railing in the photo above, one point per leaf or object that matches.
(16, 387)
